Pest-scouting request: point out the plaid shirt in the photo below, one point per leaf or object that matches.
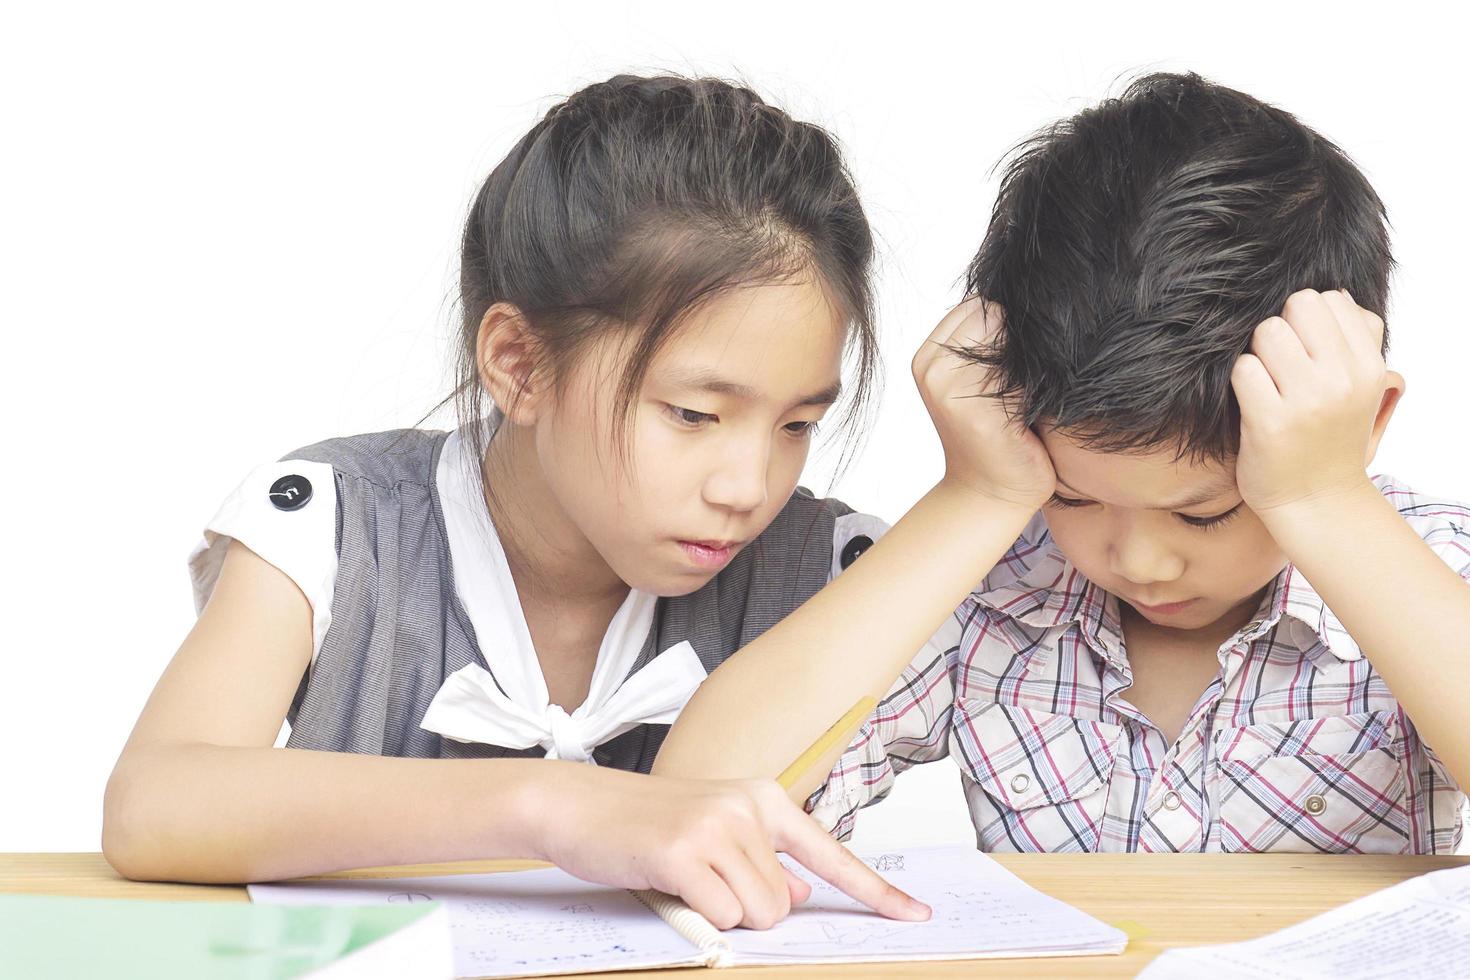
(1297, 745)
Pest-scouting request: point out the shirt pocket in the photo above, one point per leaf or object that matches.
(1036, 781)
(1322, 784)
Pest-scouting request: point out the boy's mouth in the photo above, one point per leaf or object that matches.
(1163, 609)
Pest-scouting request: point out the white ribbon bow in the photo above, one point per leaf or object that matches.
(469, 707)
(517, 712)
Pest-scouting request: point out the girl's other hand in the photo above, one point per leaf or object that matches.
(711, 842)
(985, 449)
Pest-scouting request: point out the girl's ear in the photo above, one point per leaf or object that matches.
(508, 357)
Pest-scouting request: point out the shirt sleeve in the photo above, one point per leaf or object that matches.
(265, 513)
(910, 725)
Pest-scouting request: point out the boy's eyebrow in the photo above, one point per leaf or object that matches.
(1206, 494)
(702, 380)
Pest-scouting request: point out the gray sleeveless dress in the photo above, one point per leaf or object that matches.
(398, 629)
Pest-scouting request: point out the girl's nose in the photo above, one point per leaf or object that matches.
(739, 481)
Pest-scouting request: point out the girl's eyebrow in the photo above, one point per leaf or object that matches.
(704, 380)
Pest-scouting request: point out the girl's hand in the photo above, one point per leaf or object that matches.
(1310, 390)
(712, 843)
(985, 450)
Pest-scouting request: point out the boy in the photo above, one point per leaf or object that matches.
(1217, 634)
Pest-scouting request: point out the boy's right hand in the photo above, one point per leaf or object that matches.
(711, 842)
(985, 449)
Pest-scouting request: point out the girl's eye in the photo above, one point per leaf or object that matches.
(1061, 501)
(689, 418)
(801, 428)
(1211, 522)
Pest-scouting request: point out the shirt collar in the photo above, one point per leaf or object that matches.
(1036, 585)
(1294, 606)
(492, 704)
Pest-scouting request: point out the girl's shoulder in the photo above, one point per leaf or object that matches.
(384, 458)
(807, 519)
(294, 511)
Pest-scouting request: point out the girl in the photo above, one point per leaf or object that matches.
(659, 284)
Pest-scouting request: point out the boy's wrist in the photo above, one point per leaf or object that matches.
(1296, 524)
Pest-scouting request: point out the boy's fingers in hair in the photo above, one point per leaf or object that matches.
(1254, 389)
(1276, 344)
(980, 326)
(1318, 323)
(954, 327)
(1375, 327)
(950, 325)
(833, 863)
(1362, 329)
(933, 346)
(1372, 321)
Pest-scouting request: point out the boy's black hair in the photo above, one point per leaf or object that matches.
(1135, 247)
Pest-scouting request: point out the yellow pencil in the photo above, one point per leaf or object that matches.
(840, 732)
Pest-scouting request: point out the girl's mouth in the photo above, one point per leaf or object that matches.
(709, 554)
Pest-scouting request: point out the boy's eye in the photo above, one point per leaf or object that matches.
(801, 428)
(1208, 522)
(688, 417)
(1061, 501)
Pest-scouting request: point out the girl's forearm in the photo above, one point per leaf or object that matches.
(210, 813)
(766, 704)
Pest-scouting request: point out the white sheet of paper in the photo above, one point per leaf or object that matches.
(980, 910)
(1416, 930)
(541, 922)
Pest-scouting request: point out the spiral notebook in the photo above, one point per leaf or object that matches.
(545, 922)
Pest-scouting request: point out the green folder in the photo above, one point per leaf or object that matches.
(44, 936)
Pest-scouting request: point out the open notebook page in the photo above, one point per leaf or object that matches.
(980, 910)
(545, 922)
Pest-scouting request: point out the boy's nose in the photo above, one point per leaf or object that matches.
(1143, 561)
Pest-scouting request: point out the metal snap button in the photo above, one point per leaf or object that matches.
(1019, 782)
(1315, 804)
(1171, 800)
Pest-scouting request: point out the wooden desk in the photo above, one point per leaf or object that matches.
(1159, 900)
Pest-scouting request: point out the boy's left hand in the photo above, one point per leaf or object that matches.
(1310, 390)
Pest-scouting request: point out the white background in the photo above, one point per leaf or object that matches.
(229, 232)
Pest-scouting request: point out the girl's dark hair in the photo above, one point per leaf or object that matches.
(1135, 247)
(639, 198)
